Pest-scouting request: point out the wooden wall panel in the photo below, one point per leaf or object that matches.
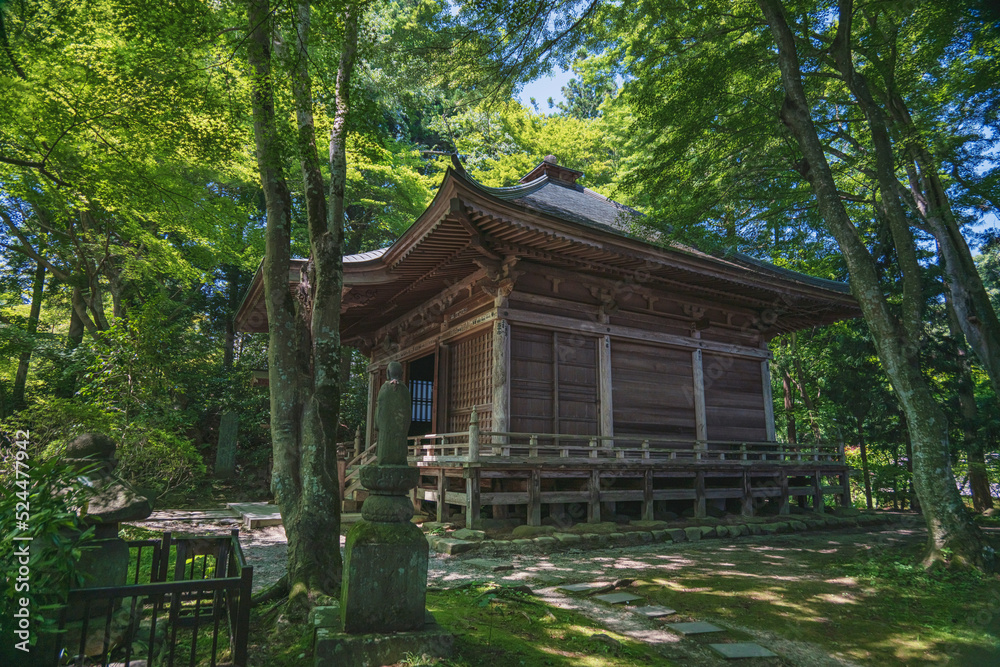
(531, 380)
(734, 399)
(579, 407)
(554, 385)
(652, 390)
(470, 381)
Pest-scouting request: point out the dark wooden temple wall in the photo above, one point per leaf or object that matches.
(653, 390)
(734, 400)
(554, 380)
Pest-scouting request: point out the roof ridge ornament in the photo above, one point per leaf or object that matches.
(549, 166)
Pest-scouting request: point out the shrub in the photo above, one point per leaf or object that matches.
(51, 491)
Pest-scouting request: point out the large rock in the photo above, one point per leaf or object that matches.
(116, 502)
(602, 528)
(649, 525)
(527, 532)
(469, 534)
(91, 446)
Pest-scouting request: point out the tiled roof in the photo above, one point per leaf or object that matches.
(365, 256)
(581, 205)
(569, 202)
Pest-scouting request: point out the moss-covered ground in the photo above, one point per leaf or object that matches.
(866, 602)
(503, 627)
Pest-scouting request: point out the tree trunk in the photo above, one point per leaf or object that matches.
(864, 463)
(21, 379)
(303, 480)
(786, 387)
(952, 537)
(982, 498)
(927, 199)
(74, 337)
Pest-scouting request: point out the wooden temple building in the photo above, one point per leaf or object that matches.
(558, 361)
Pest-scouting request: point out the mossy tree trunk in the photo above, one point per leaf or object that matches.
(304, 332)
(953, 538)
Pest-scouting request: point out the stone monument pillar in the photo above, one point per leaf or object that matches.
(385, 566)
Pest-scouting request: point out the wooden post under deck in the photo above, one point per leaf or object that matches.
(817, 480)
(747, 508)
(784, 508)
(647, 495)
(699, 495)
(535, 498)
(472, 498)
(442, 512)
(594, 503)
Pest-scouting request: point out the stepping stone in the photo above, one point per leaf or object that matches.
(491, 565)
(655, 612)
(547, 579)
(617, 598)
(585, 587)
(695, 628)
(742, 650)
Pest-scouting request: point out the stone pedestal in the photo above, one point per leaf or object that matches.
(385, 566)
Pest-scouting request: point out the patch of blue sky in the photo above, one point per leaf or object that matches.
(542, 88)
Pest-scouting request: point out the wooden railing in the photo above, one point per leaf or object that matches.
(475, 445)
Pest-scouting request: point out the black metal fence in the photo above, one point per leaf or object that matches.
(186, 602)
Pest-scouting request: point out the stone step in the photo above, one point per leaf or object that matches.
(694, 628)
(654, 611)
(618, 598)
(739, 650)
(587, 587)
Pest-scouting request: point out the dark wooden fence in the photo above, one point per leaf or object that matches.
(195, 613)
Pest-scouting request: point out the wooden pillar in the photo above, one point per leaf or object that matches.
(817, 480)
(784, 507)
(501, 377)
(605, 387)
(535, 498)
(765, 379)
(472, 504)
(442, 511)
(845, 494)
(747, 509)
(699, 495)
(357, 444)
(594, 503)
(555, 382)
(370, 419)
(647, 495)
(442, 390)
(698, 373)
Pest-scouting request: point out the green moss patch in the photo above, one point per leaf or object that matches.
(501, 627)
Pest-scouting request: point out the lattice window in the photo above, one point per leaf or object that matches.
(422, 393)
(471, 381)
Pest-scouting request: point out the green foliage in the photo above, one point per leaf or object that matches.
(52, 492)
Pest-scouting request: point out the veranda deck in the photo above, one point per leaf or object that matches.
(535, 474)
